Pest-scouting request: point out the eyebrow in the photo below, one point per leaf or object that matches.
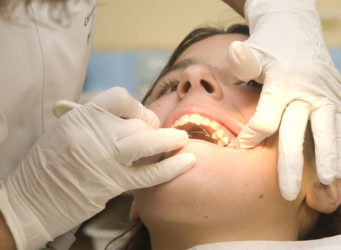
(181, 65)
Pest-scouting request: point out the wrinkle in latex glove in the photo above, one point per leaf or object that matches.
(286, 52)
(84, 161)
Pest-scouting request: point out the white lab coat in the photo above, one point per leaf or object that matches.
(41, 62)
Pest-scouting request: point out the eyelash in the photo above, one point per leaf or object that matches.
(167, 86)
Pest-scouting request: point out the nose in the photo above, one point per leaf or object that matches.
(199, 78)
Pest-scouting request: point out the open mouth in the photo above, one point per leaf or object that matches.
(203, 128)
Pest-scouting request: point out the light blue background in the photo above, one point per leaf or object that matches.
(125, 69)
(132, 69)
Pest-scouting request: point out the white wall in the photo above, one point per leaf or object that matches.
(161, 24)
(154, 24)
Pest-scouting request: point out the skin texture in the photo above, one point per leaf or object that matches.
(237, 5)
(229, 195)
(6, 239)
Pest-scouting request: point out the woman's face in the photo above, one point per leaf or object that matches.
(226, 189)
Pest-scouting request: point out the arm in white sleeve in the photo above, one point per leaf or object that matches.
(237, 5)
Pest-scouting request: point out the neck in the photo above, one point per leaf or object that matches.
(186, 236)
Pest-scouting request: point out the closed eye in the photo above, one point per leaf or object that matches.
(251, 83)
(167, 86)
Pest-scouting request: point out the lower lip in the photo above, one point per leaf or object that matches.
(207, 142)
(171, 153)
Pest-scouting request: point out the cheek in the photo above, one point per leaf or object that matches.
(164, 106)
(244, 99)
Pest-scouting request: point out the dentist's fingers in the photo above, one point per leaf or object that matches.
(160, 172)
(338, 144)
(63, 106)
(120, 103)
(148, 143)
(290, 148)
(324, 131)
(244, 62)
(266, 119)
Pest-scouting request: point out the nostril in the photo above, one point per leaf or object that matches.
(208, 87)
(186, 87)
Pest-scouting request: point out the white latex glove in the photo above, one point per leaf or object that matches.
(85, 160)
(287, 53)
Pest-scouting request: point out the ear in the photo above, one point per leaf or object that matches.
(324, 198)
(133, 214)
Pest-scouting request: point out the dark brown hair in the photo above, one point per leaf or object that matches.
(327, 224)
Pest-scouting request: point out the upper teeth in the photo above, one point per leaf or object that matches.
(218, 132)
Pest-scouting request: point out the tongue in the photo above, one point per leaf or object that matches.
(200, 133)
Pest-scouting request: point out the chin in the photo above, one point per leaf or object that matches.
(214, 186)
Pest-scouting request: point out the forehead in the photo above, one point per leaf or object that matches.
(214, 48)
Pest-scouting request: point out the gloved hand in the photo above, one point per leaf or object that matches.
(85, 160)
(287, 53)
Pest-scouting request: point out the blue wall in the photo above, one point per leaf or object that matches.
(336, 56)
(125, 69)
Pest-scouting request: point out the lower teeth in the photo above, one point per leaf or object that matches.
(201, 134)
(195, 132)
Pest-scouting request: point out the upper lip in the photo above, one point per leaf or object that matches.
(232, 124)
